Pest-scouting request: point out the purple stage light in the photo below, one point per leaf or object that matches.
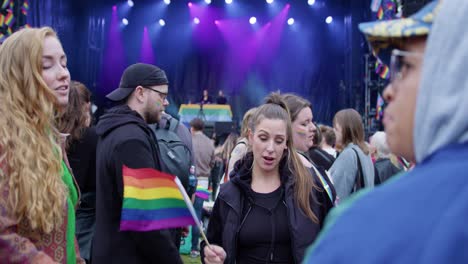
(216, 22)
(208, 1)
(189, 4)
(253, 20)
(125, 21)
(114, 8)
(311, 2)
(130, 3)
(329, 19)
(167, 2)
(290, 21)
(162, 23)
(228, 2)
(269, 1)
(146, 51)
(196, 20)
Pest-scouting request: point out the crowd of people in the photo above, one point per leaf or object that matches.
(286, 190)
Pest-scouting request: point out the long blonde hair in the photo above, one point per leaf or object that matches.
(32, 174)
(275, 108)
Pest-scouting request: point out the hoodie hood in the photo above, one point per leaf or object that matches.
(117, 117)
(441, 114)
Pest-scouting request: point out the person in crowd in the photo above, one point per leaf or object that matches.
(303, 128)
(81, 152)
(126, 139)
(319, 156)
(203, 149)
(354, 161)
(242, 145)
(328, 140)
(425, 124)
(38, 193)
(384, 164)
(263, 213)
(206, 99)
(221, 99)
(222, 155)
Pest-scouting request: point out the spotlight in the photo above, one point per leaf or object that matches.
(311, 2)
(130, 3)
(189, 4)
(228, 2)
(167, 2)
(269, 1)
(114, 8)
(208, 1)
(216, 22)
(290, 21)
(329, 19)
(162, 23)
(125, 21)
(196, 20)
(253, 20)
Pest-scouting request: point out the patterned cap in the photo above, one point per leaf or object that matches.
(382, 34)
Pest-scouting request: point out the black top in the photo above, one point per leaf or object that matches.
(208, 100)
(221, 100)
(385, 169)
(264, 235)
(82, 157)
(125, 139)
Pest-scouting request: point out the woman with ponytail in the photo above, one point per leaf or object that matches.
(268, 212)
(38, 194)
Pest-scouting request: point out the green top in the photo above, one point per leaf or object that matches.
(72, 200)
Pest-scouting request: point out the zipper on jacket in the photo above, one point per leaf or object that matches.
(238, 231)
(293, 246)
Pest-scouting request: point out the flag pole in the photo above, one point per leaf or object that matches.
(188, 201)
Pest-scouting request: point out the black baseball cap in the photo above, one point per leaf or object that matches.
(139, 74)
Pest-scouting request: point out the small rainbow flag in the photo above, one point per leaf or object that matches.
(5, 3)
(203, 193)
(2, 20)
(25, 8)
(152, 201)
(380, 13)
(380, 103)
(9, 19)
(385, 73)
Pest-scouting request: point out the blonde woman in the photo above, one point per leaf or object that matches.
(241, 148)
(38, 193)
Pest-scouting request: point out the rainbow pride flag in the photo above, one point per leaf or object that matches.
(5, 3)
(9, 19)
(379, 107)
(152, 201)
(202, 193)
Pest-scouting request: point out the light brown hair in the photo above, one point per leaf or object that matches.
(352, 128)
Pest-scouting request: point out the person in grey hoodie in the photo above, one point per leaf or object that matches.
(354, 159)
(419, 217)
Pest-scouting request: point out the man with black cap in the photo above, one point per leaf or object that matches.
(126, 139)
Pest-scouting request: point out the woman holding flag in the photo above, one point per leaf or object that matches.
(270, 184)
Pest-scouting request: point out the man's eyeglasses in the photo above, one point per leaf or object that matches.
(161, 94)
(399, 66)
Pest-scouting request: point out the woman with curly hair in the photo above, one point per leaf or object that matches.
(38, 194)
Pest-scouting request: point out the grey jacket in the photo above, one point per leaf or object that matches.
(344, 170)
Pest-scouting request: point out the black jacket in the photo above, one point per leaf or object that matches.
(232, 207)
(385, 169)
(82, 157)
(321, 158)
(125, 138)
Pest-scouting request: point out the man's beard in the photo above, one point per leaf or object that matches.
(152, 118)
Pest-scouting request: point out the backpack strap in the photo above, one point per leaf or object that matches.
(359, 182)
(173, 124)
